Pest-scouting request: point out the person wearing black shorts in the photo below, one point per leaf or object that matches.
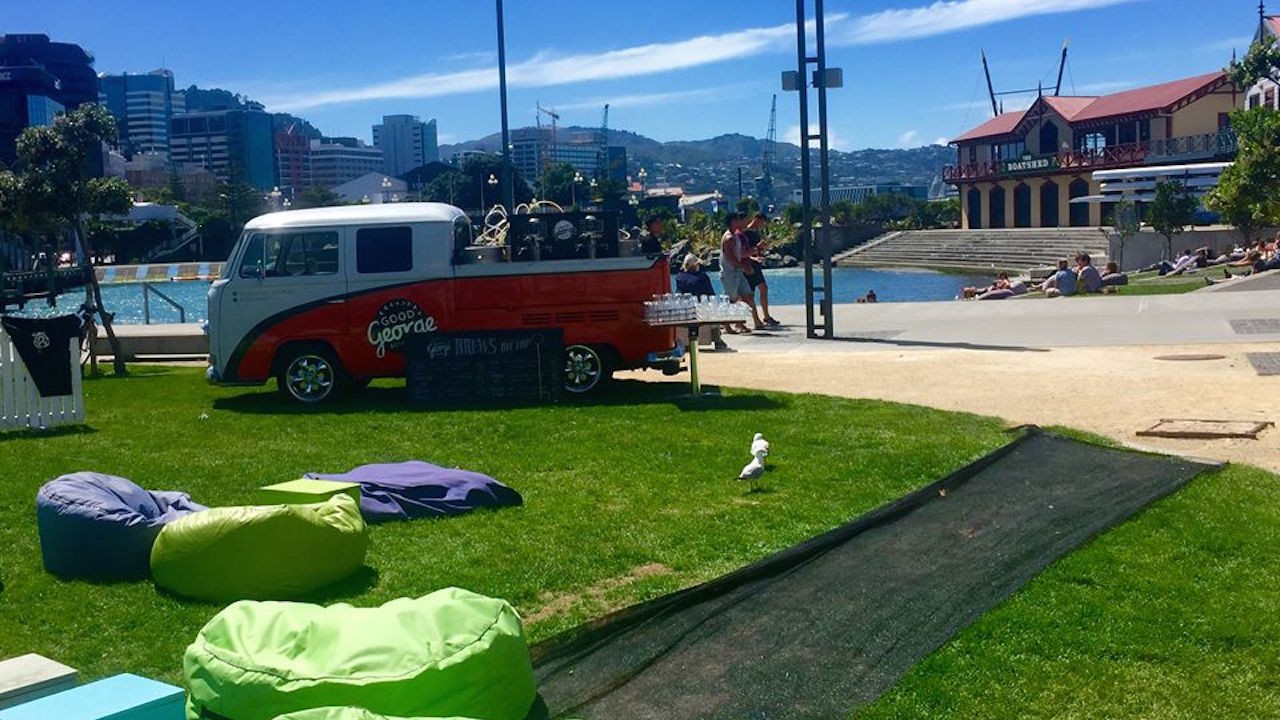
(756, 245)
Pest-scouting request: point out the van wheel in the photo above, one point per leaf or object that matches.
(585, 369)
(310, 375)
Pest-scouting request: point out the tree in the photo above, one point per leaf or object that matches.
(1248, 192)
(53, 190)
(318, 196)
(1171, 211)
(557, 184)
(748, 205)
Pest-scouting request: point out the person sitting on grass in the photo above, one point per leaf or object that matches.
(1089, 280)
(1001, 283)
(1062, 283)
(1112, 277)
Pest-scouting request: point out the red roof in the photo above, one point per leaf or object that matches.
(1147, 99)
(1080, 109)
(998, 125)
(1273, 24)
(1069, 107)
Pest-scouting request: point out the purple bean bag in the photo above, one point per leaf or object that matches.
(102, 527)
(415, 489)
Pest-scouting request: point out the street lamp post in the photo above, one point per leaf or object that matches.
(577, 179)
(594, 185)
(386, 189)
(491, 182)
(508, 188)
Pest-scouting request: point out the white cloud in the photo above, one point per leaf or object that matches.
(1102, 88)
(1225, 45)
(946, 16)
(942, 141)
(481, 56)
(909, 139)
(644, 100)
(551, 69)
(834, 140)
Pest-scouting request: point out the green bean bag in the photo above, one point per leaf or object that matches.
(347, 713)
(260, 551)
(450, 653)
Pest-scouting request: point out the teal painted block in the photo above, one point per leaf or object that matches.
(121, 697)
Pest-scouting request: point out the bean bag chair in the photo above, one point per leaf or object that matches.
(450, 653)
(415, 489)
(346, 713)
(260, 551)
(102, 527)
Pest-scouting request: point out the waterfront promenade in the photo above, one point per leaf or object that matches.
(1108, 365)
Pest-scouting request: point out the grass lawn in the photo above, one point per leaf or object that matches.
(625, 499)
(1175, 614)
(1150, 283)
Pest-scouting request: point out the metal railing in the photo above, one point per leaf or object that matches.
(147, 292)
(1190, 147)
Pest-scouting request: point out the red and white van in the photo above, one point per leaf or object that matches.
(325, 297)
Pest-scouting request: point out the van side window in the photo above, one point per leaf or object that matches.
(384, 250)
(297, 254)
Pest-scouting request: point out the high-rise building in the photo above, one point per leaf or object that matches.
(235, 145)
(533, 150)
(144, 106)
(29, 96)
(406, 143)
(335, 161)
(39, 79)
(293, 160)
(70, 63)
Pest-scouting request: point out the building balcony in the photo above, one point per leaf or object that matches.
(1190, 148)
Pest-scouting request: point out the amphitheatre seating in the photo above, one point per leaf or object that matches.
(415, 489)
(262, 551)
(102, 527)
(452, 653)
(1019, 249)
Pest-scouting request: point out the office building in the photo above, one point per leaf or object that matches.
(38, 80)
(536, 149)
(235, 145)
(144, 106)
(335, 161)
(293, 161)
(858, 193)
(406, 143)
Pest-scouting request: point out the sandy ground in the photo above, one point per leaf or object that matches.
(1110, 391)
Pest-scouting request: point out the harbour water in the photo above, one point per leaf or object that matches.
(786, 287)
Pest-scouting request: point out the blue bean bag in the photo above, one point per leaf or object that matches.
(102, 527)
(415, 489)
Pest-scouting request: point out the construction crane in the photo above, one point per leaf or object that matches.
(764, 183)
(547, 148)
(602, 166)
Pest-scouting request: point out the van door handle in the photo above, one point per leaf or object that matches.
(339, 301)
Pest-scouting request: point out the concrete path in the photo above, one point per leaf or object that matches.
(1108, 365)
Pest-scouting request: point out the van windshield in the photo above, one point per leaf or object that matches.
(290, 254)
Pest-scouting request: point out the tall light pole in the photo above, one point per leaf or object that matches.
(508, 187)
(577, 178)
(492, 181)
(386, 189)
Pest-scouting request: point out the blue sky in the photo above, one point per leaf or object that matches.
(672, 69)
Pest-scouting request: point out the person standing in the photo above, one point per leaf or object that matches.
(733, 258)
(653, 235)
(757, 244)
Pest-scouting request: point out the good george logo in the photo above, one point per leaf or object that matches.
(40, 339)
(394, 322)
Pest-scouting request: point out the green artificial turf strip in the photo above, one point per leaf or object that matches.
(1175, 614)
(631, 480)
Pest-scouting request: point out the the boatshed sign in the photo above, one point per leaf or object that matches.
(1029, 164)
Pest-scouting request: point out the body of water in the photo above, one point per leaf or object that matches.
(786, 287)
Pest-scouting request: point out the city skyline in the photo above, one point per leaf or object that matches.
(912, 72)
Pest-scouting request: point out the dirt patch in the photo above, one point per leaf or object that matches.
(554, 604)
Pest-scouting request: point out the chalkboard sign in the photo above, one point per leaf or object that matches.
(489, 367)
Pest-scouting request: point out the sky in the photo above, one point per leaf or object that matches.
(670, 69)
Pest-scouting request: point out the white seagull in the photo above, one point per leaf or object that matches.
(759, 445)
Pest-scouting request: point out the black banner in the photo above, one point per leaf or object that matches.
(45, 347)
(494, 367)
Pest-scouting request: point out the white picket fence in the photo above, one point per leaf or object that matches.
(21, 406)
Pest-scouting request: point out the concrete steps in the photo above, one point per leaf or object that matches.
(984, 249)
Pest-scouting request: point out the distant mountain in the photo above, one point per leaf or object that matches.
(713, 164)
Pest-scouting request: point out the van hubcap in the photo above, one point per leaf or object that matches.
(310, 378)
(582, 368)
